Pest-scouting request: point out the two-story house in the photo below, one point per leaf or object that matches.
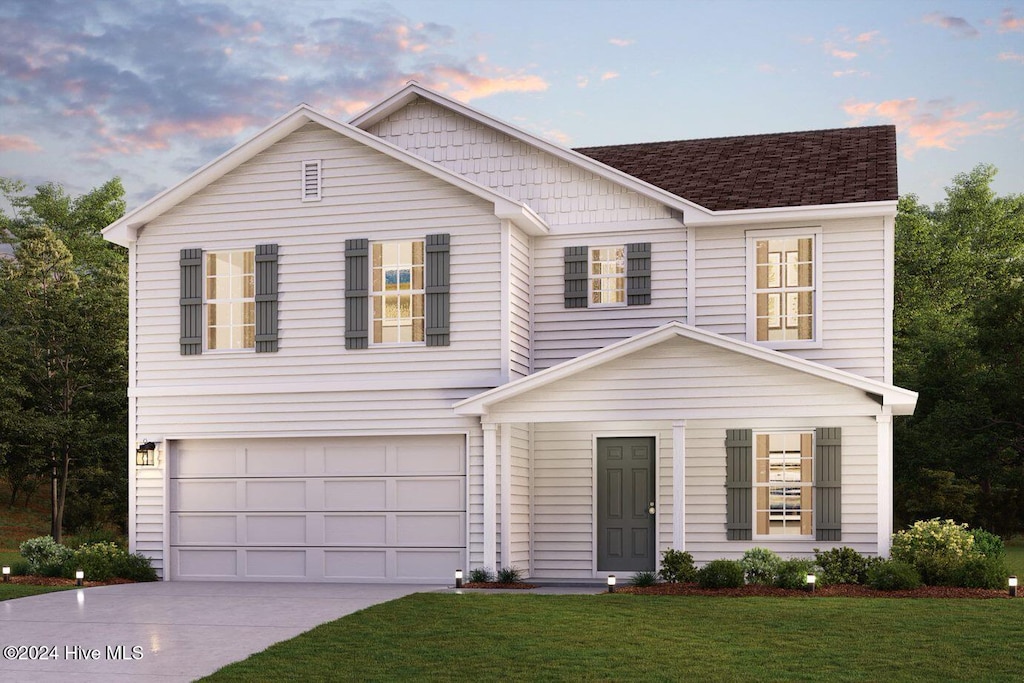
(427, 340)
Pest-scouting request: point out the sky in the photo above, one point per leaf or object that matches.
(151, 90)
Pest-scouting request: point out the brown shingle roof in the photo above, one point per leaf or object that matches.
(762, 171)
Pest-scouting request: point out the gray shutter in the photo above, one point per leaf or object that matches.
(437, 289)
(576, 277)
(266, 298)
(191, 262)
(357, 294)
(739, 463)
(828, 483)
(638, 274)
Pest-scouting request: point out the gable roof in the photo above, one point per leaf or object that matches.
(901, 401)
(837, 166)
(122, 231)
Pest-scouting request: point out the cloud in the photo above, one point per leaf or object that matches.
(959, 26)
(465, 86)
(609, 75)
(620, 42)
(1008, 22)
(1011, 57)
(18, 143)
(767, 68)
(850, 72)
(582, 81)
(868, 37)
(843, 54)
(932, 124)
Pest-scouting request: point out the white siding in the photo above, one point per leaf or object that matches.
(520, 523)
(562, 333)
(520, 304)
(560, 192)
(148, 518)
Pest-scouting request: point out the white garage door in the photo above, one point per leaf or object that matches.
(351, 509)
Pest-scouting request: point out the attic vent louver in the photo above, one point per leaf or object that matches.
(311, 181)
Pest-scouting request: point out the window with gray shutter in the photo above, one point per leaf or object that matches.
(739, 458)
(437, 290)
(828, 483)
(191, 302)
(266, 298)
(638, 274)
(357, 294)
(576, 277)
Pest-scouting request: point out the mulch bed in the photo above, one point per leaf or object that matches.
(840, 591)
(494, 584)
(57, 581)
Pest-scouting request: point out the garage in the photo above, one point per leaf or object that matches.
(343, 509)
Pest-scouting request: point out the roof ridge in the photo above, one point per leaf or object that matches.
(740, 137)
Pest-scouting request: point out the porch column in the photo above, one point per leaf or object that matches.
(679, 485)
(490, 494)
(884, 423)
(505, 509)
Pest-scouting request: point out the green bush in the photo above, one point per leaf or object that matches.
(20, 568)
(982, 572)
(988, 544)
(481, 575)
(760, 566)
(720, 574)
(45, 556)
(643, 579)
(893, 575)
(509, 575)
(104, 561)
(842, 565)
(677, 567)
(933, 540)
(95, 535)
(793, 573)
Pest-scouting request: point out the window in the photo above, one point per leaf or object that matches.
(784, 484)
(608, 276)
(398, 292)
(231, 300)
(784, 278)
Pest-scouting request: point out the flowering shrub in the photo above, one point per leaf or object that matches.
(100, 561)
(760, 565)
(933, 539)
(45, 556)
(950, 554)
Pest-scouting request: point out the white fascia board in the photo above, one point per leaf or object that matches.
(124, 230)
(790, 214)
(901, 400)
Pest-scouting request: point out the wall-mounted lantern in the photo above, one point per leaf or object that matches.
(145, 454)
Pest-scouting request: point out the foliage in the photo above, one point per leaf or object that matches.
(842, 565)
(760, 565)
(104, 561)
(893, 575)
(44, 555)
(677, 567)
(981, 572)
(988, 544)
(509, 575)
(643, 579)
(720, 574)
(63, 347)
(793, 573)
(932, 538)
(95, 535)
(481, 575)
(958, 331)
(20, 568)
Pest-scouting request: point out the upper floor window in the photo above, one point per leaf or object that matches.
(398, 292)
(230, 299)
(608, 276)
(784, 484)
(783, 287)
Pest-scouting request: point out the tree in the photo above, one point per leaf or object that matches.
(957, 333)
(63, 343)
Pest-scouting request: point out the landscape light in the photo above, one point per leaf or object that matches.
(611, 583)
(79, 577)
(811, 580)
(7, 574)
(458, 578)
(1012, 583)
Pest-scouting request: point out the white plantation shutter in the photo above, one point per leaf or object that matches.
(311, 181)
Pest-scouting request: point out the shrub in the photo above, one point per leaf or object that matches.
(893, 575)
(643, 579)
(793, 573)
(982, 572)
(760, 566)
(842, 565)
(509, 575)
(481, 575)
(988, 544)
(720, 574)
(98, 560)
(19, 568)
(677, 567)
(95, 535)
(45, 556)
(932, 539)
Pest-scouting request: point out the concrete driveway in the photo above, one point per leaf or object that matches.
(165, 631)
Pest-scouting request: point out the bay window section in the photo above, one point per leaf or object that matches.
(398, 292)
(230, 300)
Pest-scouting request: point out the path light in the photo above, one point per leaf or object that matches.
(811, 580)
(611, 583)
(7, 574)
(1012, 583)
(79, 577)
(458, 578)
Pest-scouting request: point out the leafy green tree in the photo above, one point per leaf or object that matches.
(958, 333)
(63, 345)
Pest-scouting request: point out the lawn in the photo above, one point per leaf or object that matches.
(10, 591)
(621, 637)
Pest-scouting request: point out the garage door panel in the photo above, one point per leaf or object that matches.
(354, 495)
(365, 564)
(275, 564)
(205, 563)
(420, 564)
(413, 459)
(420, 530)
(205, 529)
(356, 459)
(275, 495)
(355, 530)
(203, 496)
(276, 529)
(275, 461)
(435, 493)
(205, 461)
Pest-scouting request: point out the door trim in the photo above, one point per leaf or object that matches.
(628, 434)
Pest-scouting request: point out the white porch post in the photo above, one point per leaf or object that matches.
(505, 509)
(679, 485)
(490, 494)
(884, 423)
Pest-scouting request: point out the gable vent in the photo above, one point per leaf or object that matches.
(310, 181)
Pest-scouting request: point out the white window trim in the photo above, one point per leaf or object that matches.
(317, 164)
(207, 301)
(777, 538)
(374, 293)
(591, 277)
(751, 281)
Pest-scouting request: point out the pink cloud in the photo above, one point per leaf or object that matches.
(1011, 57)
(620, 42)
(466, 86)
(957, 25)
(868, 37)
(930, 125)
(609, 75)
(1008, 22)
(18, 143)
(843, 54)
(402, 34)
(849, 72)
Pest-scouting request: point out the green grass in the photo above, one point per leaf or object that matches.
(531, 637)
(1015, 557)
(10, 591)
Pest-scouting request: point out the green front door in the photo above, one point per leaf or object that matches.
(625, 504)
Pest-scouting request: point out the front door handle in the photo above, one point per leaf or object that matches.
(650, 507)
